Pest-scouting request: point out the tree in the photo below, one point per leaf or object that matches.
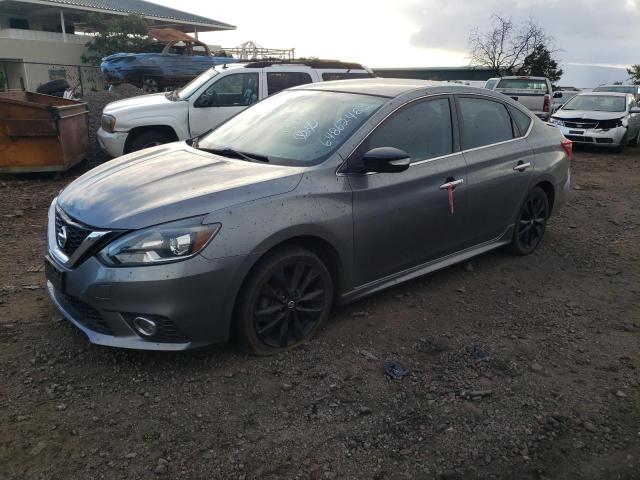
(634, 71)
(540, 64)
(506, 44)
(126, 34)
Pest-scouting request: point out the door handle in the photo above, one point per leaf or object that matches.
(521, 167)
(451, 184)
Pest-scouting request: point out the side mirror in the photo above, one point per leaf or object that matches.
(385, 160)
(634, 110)
(557, 94)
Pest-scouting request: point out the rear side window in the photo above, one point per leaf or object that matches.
(522, 120)
(484, 122)
(328, 76)
(422, 129)
(523, 84)
(277, 81)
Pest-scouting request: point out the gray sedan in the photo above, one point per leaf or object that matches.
(316, 196)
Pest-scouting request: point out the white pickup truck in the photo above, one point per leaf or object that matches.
(535, 93)
(208, 100)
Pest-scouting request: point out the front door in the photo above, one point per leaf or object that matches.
(404, 219)
(226, 96)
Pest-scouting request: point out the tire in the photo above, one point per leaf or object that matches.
(531, 223)
(636, 141)
(623, 143)
(283, 302)
(149, 139)
(54, 86)
(150, 85)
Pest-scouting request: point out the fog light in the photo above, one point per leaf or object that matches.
(145, 327)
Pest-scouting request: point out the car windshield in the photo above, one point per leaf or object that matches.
(297, 127)
(596, 103)
(615, 89)
(523, 84)
(188, 90)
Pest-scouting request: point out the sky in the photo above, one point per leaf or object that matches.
(423, 33)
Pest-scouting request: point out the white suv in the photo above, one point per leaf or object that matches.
(208, 100)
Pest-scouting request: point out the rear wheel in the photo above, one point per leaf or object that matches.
(283, 302)
(148, 139)
(150, 85)
(531, 223)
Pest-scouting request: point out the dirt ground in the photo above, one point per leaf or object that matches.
(519, 368)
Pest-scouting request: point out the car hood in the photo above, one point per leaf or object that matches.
(587, 115)
(137, 102)
(169, 182)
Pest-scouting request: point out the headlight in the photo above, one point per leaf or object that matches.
(165, 243)
(108, 123)
(557, 121)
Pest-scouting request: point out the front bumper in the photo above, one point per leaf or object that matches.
(113, 143)
(611, 137)
(192, 300)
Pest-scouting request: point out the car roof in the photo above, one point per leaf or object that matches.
(304, 64)
(393, 87)
(522, 77)
(604, 94)
(617, 86)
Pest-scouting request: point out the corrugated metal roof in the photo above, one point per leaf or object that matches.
(141, 7)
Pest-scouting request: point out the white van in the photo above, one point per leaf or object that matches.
(208, 100)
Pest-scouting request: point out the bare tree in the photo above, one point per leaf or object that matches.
(506, 44)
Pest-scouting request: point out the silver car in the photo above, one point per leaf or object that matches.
(604, 119)
(316, 196)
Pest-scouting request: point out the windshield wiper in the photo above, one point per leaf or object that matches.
(230, 152)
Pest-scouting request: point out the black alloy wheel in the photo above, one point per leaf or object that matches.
(284, 302)
(531, 223)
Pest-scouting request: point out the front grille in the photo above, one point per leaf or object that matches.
(87, 315)
(75, 234)
(607, 124)
(586, 125)
(604, 140)
(168, 332)
(579, 138)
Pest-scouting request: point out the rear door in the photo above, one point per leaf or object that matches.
(403, 219)
(500, 163)
(226, 96)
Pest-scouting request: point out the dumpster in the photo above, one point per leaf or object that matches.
(41, 133)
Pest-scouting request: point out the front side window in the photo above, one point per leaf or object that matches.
(484, 122)
(422, 129)
(296, 127)
(277, 81)
(234, 90)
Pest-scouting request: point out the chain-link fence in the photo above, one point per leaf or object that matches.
(30, 75)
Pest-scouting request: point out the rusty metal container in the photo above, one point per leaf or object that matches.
(41, 133)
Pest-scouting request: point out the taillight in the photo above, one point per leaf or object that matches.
(567, 146)
(547, 103)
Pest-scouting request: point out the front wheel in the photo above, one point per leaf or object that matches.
(283, 302)
(149, 139)
(531, 223)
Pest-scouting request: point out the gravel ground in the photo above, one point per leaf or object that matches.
(519, 368)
